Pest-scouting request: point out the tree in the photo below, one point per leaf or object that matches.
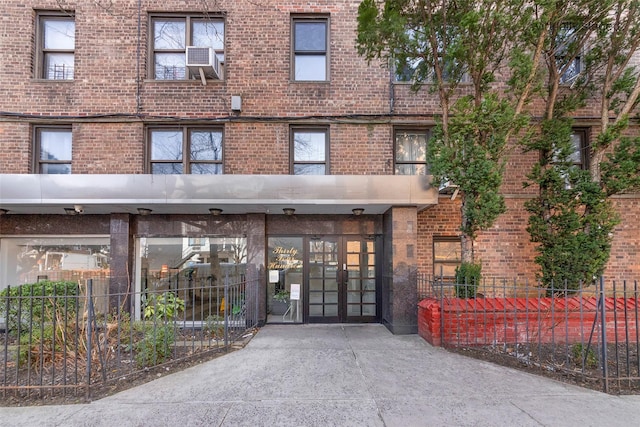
(444, 44)
(588, 56)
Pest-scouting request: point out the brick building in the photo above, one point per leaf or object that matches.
(139, 139)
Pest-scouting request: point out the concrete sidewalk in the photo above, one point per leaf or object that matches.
(342, 375)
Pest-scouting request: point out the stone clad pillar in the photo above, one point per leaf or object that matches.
(121, 263)
(255, 297)
(399, 292)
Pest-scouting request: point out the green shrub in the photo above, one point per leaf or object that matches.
(166, 306)
(467, 279)
(34, 303)
(583, 354)
(156, 346)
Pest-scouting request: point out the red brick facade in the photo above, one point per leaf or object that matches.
(112, 100)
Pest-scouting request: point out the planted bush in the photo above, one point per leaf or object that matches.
(34, 303)
(467, 279)
(159, 335)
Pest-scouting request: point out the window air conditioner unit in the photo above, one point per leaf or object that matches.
(448, 187)
(204, 62)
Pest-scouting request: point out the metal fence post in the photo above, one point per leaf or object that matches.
(89, 333)
(603, 320)
(226, 310)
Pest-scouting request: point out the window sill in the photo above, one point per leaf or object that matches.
(64, 81)
(185, 82)
(323, 82)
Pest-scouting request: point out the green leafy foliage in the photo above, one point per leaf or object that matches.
(468, 276)
(33, 303)
(571, 218)
(166, 306)
(156, 346)
(621, 169)
(447, 44)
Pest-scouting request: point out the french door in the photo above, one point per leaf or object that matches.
(341, 280)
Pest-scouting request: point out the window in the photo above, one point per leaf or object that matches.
(310, 49)
(56, 39)
(411, 152)
(579, 155)
(196, 274)
(309, 150)
(447, 256)
(34, 258)
(185, 150)
(172, 35)
(53, 150)
(567, 54)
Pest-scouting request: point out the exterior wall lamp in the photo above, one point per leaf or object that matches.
(357, 211)
(144, 211)
(215, 211)
(288, 211)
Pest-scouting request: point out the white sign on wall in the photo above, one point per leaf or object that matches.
(295, 292)
(273, 276)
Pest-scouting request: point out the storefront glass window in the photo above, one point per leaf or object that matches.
(195, 269)
(33, 259)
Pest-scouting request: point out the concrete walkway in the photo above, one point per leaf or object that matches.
(342, 375)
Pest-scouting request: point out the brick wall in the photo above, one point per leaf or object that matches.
(109, 104)
(491, 321)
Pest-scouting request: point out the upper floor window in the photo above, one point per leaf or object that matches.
(56, 41)
(185, 150)
(568, 58)
(310, 49)
(411, 151)
(53, 148)
(309, 148)
(172, 35)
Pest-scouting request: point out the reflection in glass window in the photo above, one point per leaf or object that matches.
(54, 148)
(168, 147)
(411, 152)
(195, 272)
(172, 35)
(32, 259)
(309, 151)
(447, 256)
(567, 54)
(58, 35)
(310, 49)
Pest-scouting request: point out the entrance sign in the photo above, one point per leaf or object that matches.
(295, 292)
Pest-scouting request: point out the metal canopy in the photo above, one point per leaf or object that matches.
(196, 194)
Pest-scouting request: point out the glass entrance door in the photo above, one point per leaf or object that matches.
(341, 277)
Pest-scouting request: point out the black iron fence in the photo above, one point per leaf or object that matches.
(591, 334)
(60, 338)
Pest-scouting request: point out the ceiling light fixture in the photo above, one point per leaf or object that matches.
(288, 211)
(144, 211)
(215, 211)
(357, 211)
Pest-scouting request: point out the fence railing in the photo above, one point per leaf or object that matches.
(592, 333)
(59, 338)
